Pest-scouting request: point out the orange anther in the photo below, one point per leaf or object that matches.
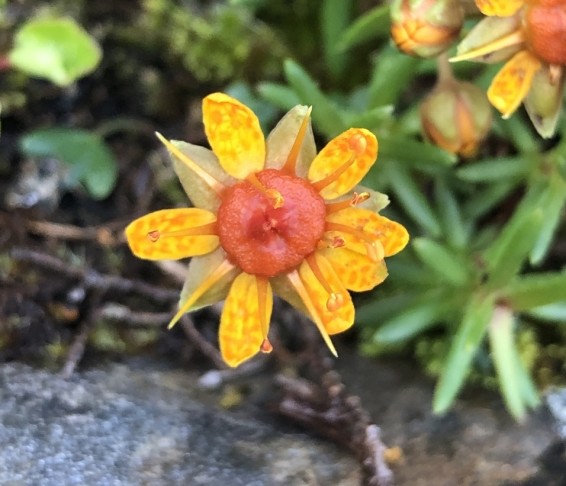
(153, 235)
(358, 143)
(334, 302)
(266, 346)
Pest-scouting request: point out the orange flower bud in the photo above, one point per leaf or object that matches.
(425, 28)
(456, 116)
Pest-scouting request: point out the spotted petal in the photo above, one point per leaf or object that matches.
(283, 136)
(499, 8)
(512, 83)
(171, 234)
(241, 332)
(343, 163)
(392, 236)
(357, 271)
(234, 134)
(335, 320)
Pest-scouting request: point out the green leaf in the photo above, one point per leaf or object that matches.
(552, 312)
(370, 25)
(505, 359)
(439, 259)
(477, 316)
(553, 204)
(335, 17)
(535, 290)
(411, 152)
(57, 49)
(495, 170)
(325, 114)
(392, 74)
(371, 119)
(412, 199)
(451, 218)
(485, 199)
(280, 95)
(509, 251)
(414, 319)
(87, 155)
(375, 311)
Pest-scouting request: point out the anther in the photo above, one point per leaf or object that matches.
(359, 198)
(273, 195)
(358, 143)
(356, 199)
(153, 235)
(334, 302)
(266, 346)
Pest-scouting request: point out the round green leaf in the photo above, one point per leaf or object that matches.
(59, 50)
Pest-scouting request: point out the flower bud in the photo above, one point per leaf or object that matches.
(425, 28)
(456, 116)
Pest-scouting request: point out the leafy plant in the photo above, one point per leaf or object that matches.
(56, 49)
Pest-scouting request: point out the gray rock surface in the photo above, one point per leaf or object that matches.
(144, 422)
(131, 425)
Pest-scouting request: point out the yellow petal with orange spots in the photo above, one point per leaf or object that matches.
(357, 271)
(234, 134)
(241, 334)
(171, 234)
(499, 8)
(343, 163)
(334, 308)
(368, 226)
(512, 83)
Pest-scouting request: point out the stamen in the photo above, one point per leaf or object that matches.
(274, 196)
(330, 178)
(299, 287)
(205, 285)
(356, 199)
(208, 229)
(262, 293)
(372, 250)
(512, 39)
(335, 300)
(213, 183)
(291, 163)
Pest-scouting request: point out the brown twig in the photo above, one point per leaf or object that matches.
(104, 235)
(93, 279)
(326, 408)
(202, 344)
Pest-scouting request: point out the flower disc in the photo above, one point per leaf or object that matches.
(264, 238)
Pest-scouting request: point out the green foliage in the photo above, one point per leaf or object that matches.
(480, 271)
(56, 49)
(85, 153)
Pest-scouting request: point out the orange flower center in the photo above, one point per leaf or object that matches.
(545, 29)
(270, 222)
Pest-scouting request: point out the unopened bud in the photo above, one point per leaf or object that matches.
(544, 100)
(425, 28)
(456, 116)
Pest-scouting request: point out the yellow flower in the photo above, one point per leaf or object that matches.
(271, 215)
(531, 36)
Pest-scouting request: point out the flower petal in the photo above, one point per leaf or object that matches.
(343, 163)
(493, 39)
(241, 332)
(197, 282)
(334, 318)
(544, 101)
(201, 194)
(357, 271)
(392, 236)
(499, 8)
(234, 134)
(281, 140)
(512, 83)
(171, 234)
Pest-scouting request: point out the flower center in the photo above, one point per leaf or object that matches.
(270, 222)
(545, 29)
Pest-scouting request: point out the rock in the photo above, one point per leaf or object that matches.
(141, 424)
